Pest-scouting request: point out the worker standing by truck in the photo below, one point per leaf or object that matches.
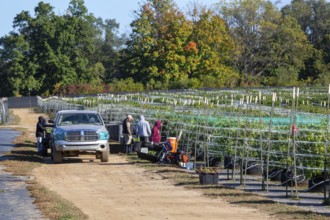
(127, 133)
(40, 133)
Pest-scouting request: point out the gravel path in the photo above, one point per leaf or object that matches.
(15, 200)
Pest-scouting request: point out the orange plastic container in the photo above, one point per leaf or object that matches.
(174, 144)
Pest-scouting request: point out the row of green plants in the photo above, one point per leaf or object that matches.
(312, 101)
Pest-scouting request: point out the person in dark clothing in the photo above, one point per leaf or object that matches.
(155, 133)
(40, 133)
(127, 133)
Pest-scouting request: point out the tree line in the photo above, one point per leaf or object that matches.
(233, 43)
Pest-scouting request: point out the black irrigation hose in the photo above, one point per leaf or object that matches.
(274, 173)
(317, 185)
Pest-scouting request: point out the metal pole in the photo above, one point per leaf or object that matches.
(325, 151)
(261, 150)
(236, 143)
(295, 148)
(269, 139)
(30, 96)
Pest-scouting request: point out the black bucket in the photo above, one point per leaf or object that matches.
(253, 169)
(275, 174)
(288, 180)
(316, 184)
(228, 162)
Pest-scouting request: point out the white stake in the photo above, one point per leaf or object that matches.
(294, 93)
(297, 92)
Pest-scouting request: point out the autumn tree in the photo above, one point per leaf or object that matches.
(211, 48)
(155, 50)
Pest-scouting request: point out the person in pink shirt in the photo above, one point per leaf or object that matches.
(155, 132)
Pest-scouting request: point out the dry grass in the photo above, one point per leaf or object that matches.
(21, 161)
(15, 120)
(52, 205)
(190, 181)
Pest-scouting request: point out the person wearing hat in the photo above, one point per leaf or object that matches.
(127, 133)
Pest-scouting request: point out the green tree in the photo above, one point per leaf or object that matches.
(13, 50)
(24, 73)
(314, 19)
(267, 43)
(49, 51)
(291, 50)
(41, 59)
(107, 48)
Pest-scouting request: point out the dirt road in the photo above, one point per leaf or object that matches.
(121, 190)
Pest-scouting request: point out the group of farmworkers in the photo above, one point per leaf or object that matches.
(142, 131)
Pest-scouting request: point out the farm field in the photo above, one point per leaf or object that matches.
(273, 128)
(277, 130)
(127, 189)
(121, 190)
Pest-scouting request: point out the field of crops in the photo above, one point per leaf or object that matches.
(272, 128)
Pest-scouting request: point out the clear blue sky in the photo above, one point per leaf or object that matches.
(121, 10)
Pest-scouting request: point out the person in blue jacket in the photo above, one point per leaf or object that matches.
(143, 130)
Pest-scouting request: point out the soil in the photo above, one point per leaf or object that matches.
(121, 190)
